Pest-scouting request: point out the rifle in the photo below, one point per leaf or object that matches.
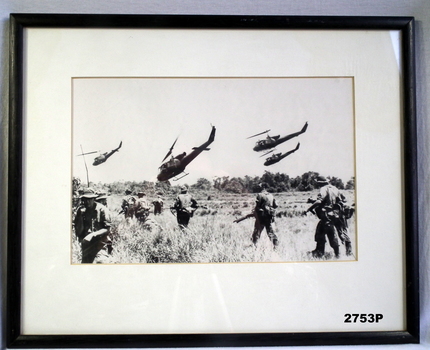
(244, 217)
(173, 209)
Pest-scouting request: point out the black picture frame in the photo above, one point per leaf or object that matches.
(19, 22)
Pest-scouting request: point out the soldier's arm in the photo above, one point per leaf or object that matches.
(313, 206)
(193, 203)
(257, 202)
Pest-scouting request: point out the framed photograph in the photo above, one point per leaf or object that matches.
(211, 181)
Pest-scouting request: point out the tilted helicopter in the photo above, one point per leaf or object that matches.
(103, 157)
(275, 158)
(176, 165)
(273, 141)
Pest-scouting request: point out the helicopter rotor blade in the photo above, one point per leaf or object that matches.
(267, 153)
(170, 150)
(261, 133)
(86, 153)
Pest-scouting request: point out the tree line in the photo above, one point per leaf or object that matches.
(276, 182)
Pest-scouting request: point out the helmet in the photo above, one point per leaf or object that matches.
(88, 193)
(321, 180)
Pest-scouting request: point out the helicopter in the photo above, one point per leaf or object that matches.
(176, 165)
(103, 157)
(275, 158)
(273, 141)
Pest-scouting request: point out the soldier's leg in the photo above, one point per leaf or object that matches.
(319, 250)
(258, 228)
(344, 237)
(186, 220)
(271, 233)
(183, 219)
(347, 240)
(348, 248)
(332, 238)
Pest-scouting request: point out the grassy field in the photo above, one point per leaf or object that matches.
(213, 237)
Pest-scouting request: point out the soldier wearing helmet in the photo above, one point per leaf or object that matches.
(128, 204)
(141, 209)
(185, 206)
(158, 205)
(92, 224)
(326, 208)
(264, 211)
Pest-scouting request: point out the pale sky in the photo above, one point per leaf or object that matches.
(147, 114)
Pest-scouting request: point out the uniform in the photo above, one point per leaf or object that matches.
(343, 212)
(92, 224)
(185, 205)
(265, 207)
(325, 209)
(141, 208)
(158, 205)
(128, 205)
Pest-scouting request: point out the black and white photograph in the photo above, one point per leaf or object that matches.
(213, 170)
(212, 181)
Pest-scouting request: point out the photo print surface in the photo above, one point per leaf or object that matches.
(213, 170)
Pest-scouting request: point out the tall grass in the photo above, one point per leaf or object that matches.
(213, 237)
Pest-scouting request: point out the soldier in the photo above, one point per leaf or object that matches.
(92, 224)
(324, 208)
(185, 206)
(343, 212)
(264, 211)
(128, 204)
(141, 207)
(158, 205)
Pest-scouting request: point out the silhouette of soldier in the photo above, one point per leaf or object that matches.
(128, 204)
(264, 211)
(92, 224)
(343, 212)
(185, 206)
(141, 208)
(158, 205)
(327, 212)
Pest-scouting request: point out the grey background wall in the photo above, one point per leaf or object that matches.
(420, 9)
